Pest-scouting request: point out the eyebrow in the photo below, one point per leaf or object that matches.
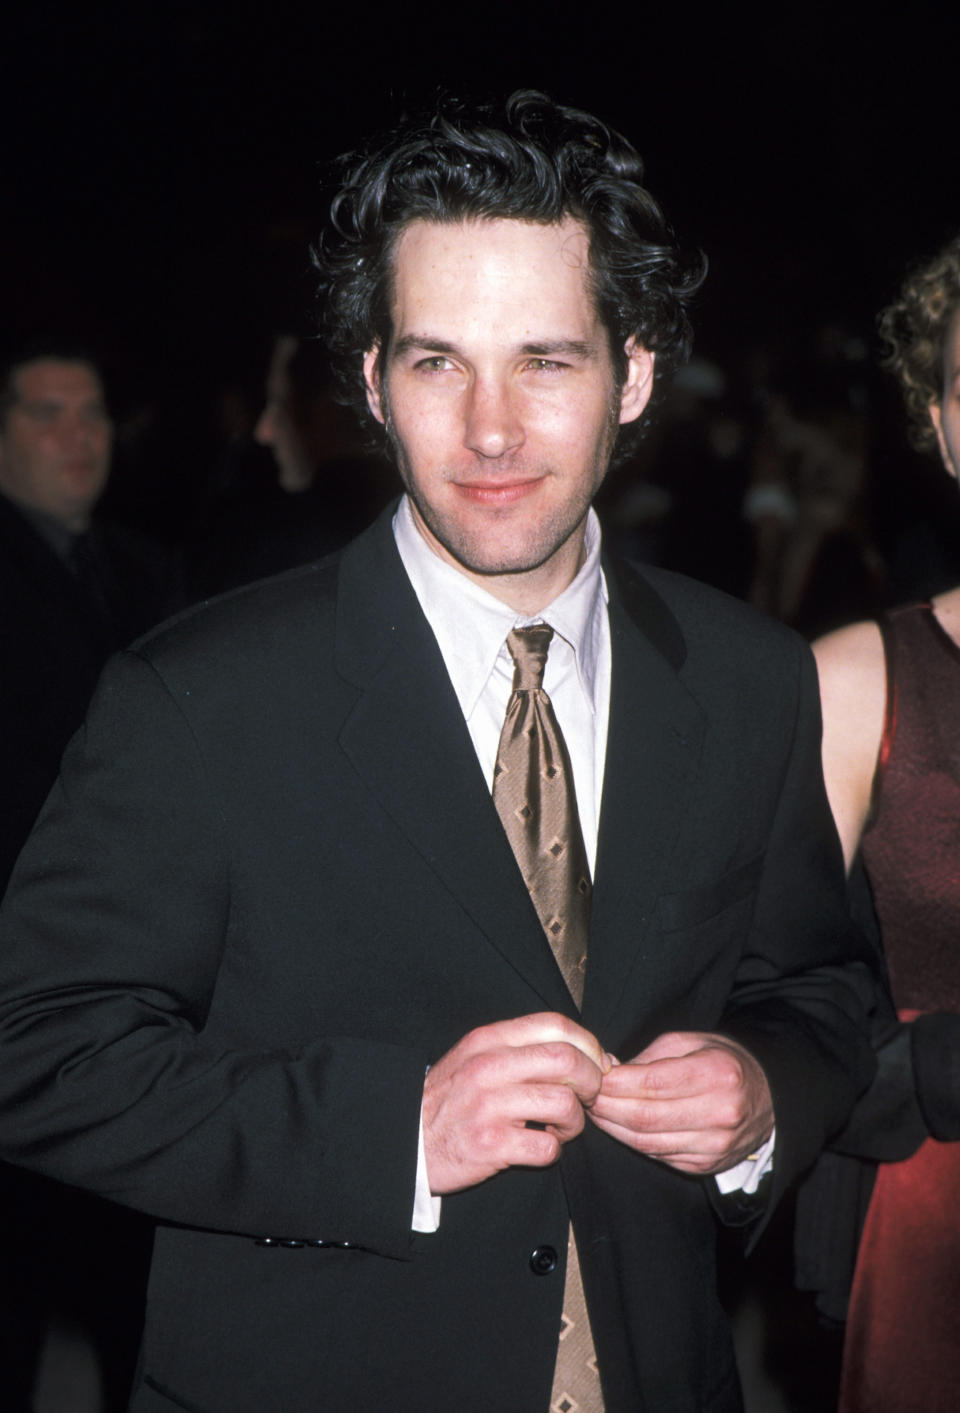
(549, 348)
(54, 402)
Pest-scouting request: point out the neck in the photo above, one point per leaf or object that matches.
(526, 591)
(531, 591)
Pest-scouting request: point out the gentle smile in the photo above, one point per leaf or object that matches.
(498, 492)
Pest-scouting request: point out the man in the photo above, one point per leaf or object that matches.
(270, 968)
(71, 591)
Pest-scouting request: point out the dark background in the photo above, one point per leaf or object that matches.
(164, 164)
(163, 175)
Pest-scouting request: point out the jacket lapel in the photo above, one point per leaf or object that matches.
(407, 740)
(654, 742)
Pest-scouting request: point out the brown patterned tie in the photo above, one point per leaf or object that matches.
(534, 793)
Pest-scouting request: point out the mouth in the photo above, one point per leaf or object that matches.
(499, 492)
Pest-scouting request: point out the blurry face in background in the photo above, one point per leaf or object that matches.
(55, 446)
(945, 414)
(277, 427)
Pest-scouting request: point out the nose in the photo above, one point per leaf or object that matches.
(265, 430)
(79, 432)
(493, 423)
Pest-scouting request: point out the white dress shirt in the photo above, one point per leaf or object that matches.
(471, 628)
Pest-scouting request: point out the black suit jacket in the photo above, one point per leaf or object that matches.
(54, 641)
(271, 887)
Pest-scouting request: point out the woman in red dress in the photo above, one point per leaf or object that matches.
(891, 754)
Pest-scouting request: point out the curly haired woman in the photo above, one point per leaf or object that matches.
(891, 753)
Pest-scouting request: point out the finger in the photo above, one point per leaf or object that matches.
(673, 1044)
(696, 1114)
(708, 1071)
(529, 1148)
(547, 1064)
(661, 1080)
(553, 1107)
(694, 1152)
(492, 1146)
(543, 1028)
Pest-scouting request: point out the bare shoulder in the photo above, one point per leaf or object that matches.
(850, 663)
(947, 608)
(853, 691)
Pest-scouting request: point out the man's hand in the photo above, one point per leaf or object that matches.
(479, 1098)
(697, 1102)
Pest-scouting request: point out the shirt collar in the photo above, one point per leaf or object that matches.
(449, 600)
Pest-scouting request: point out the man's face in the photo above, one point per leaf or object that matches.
(498, 394)
(55, 446)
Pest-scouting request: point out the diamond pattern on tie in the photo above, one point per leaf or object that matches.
(576, 1379)
(533, 791)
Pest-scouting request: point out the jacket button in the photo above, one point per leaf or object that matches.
(543, 1260)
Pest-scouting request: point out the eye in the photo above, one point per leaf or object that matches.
(545, 365)
(438, 363)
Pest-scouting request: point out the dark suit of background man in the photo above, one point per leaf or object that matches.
(72, 589)
(270, 971)
(72, 592)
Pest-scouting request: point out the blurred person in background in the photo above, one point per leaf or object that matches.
(815, 564)
(319, 490)
(72, 591)
(299, 421)
(891, 754)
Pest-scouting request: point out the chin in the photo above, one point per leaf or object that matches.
(481, 560)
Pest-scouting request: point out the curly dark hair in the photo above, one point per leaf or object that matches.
(528, 159)
(914, 329)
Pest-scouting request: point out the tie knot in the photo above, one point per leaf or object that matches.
(529, 647)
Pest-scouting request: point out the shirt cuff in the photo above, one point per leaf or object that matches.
(426, 1207)
(746, 1176)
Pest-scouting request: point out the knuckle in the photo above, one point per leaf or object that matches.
(545, 1022)
(557, 1103)
(572, 1109)
(475, 1041)
(730, 1115)
(656, 1079)
(545, 1147)
(569, 1059)
(561, 1057)
(486, 1137)
(476, 1068)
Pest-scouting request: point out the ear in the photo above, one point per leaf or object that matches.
(636, 391)
(371, 376)
(936, 417)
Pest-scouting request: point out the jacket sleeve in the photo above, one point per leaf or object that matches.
(806, 986)
(113, 942)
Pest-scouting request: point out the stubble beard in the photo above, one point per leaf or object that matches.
(477, 552)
